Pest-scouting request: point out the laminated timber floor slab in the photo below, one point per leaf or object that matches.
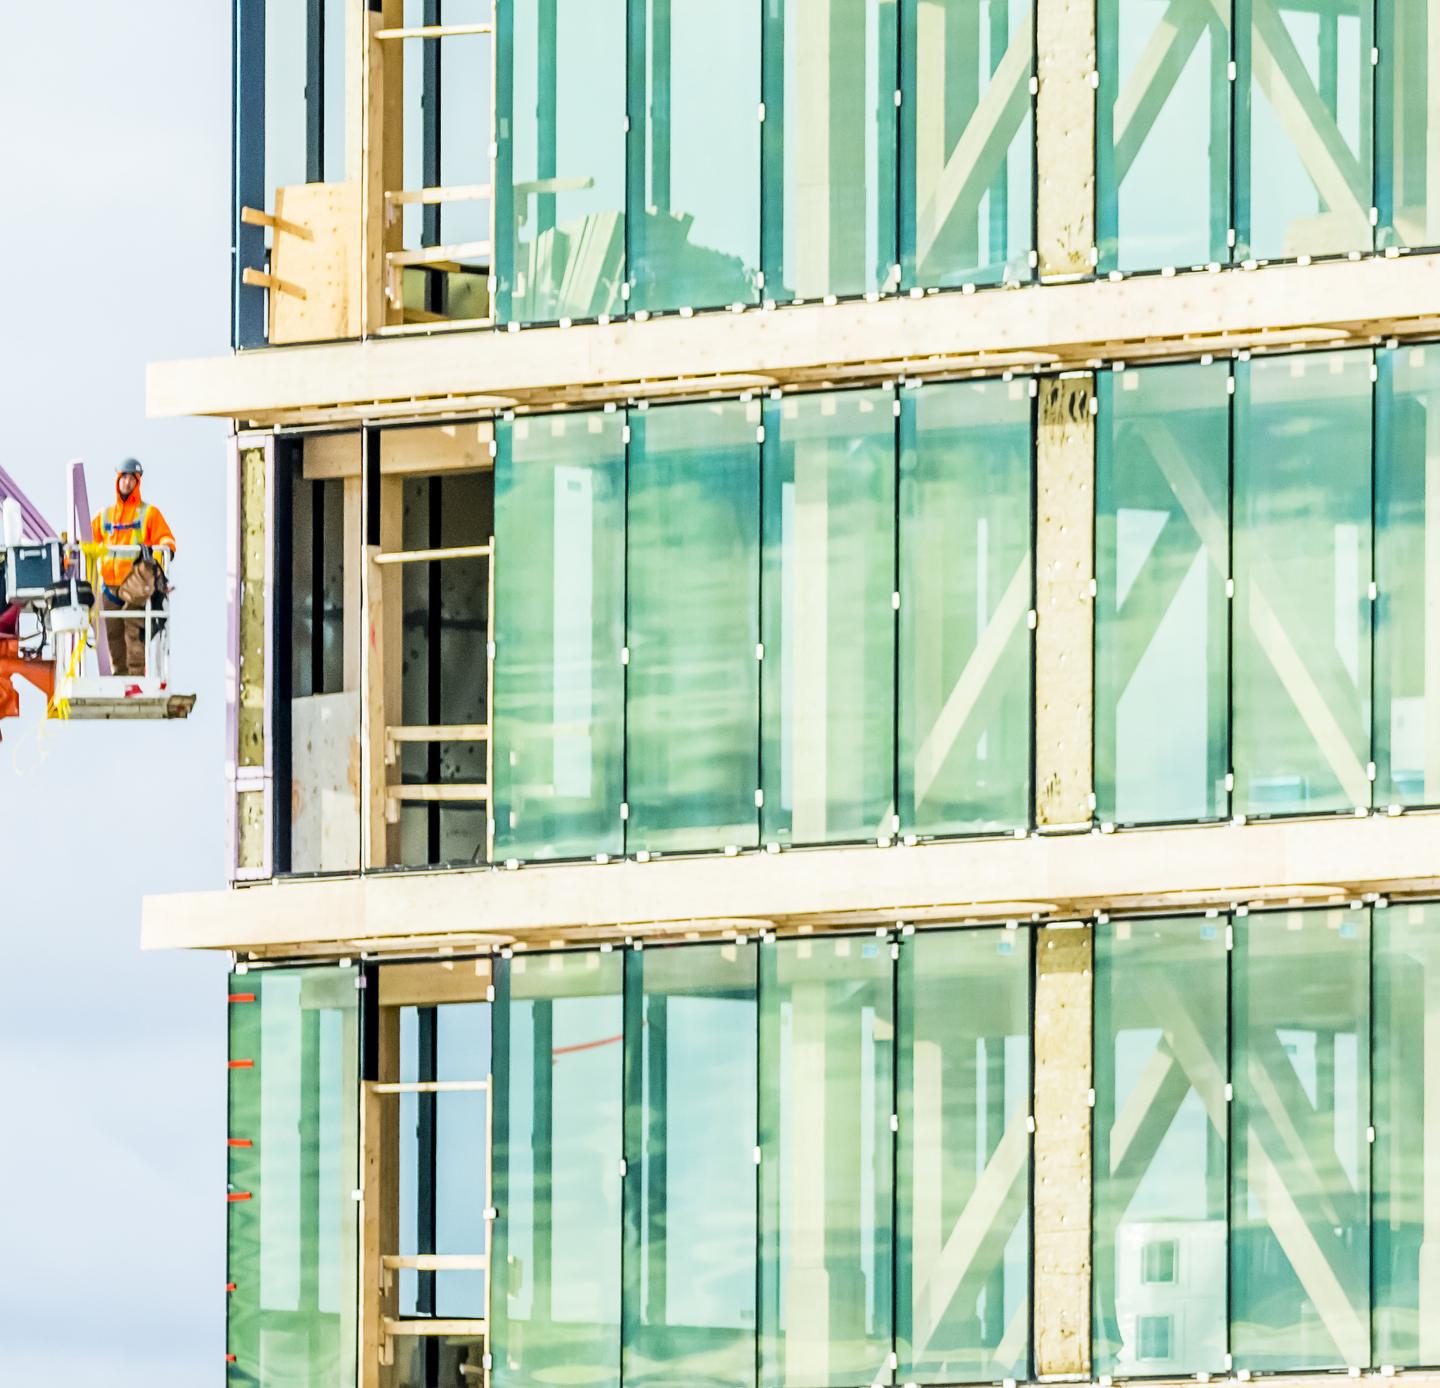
(1055, 326)
(1045, 877)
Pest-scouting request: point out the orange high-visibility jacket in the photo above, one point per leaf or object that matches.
(128, 522)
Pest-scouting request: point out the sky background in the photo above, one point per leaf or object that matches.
(115, 167)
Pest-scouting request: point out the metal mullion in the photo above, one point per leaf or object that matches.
(315, 91)
(434, 645)
(431, 136)
(317, 586)
(427, 1035)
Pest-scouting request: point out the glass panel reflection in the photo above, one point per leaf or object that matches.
(1162, 555)
(828, 624)
(1407, 1105)
(1162, 133)
(1407, 571)
(558, 1115)
(826, 1164)
(560, 615)
(694, 167)
(560, 164)
(1161, 1060)
(292, 1219)
(1303, 138)
(1302, 518)
(690, 1132)
(693, 689)
(967, 159)
(963, 1268)
(965, 586)
(829, 196)
(1300, 1201)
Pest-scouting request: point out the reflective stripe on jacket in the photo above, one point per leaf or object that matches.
(130, 521)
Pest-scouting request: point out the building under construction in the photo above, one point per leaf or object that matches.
(835, 692)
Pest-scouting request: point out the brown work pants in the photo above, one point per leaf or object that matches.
(126, 638)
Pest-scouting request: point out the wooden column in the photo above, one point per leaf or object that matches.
(1065, 138)
(1064, 991)
(1064, 602)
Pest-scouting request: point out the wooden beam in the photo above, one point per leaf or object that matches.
(1144, 870)
(1064, 602)
(1145, 318)
(1064, 980)
(431, 556)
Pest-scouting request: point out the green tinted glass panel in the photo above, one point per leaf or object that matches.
(694, 154)
(1303, 128)
(555, 1305)
(829, 147)
(690, 1133)
(1407, 570)
(560, 625)
(1302, 583)
(1162, 140)
(1407, 1166)
(1407, 142)
(964, 1156)
(1162, 555)
(694, 568)
(967, 153)
(1161, 1060)
(560, 159)
(827, 1166)
(828, 623)
(293, 1221)
(965, 590)
(1299, 1203)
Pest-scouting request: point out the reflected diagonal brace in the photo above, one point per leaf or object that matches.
(938, 743)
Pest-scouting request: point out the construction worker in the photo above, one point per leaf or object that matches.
(130, 521)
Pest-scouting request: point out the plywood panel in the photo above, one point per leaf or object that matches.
(325, 783)
(315, 251)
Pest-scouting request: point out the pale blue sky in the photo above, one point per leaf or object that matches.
(115, 169)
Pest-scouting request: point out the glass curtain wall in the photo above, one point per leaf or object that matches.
(827, 1034)
(767, 1201)
(1300, 1198)
(829, 148)
(963, 1158)
(1304, 100)
(560, 604)
(1407, 195)
(555, 1306)
(827, 621)
(560, 160)
(966, 142)
(690, 1172)
(1160, 1153)
(1407, 573)
(1302, 522)
(966, 587)
(694, 104)
(293, 1146)
(1162, 141)
(693, 597)
(1162, 557)
(1406, 1175)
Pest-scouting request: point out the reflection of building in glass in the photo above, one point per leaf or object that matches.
(832, 780)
